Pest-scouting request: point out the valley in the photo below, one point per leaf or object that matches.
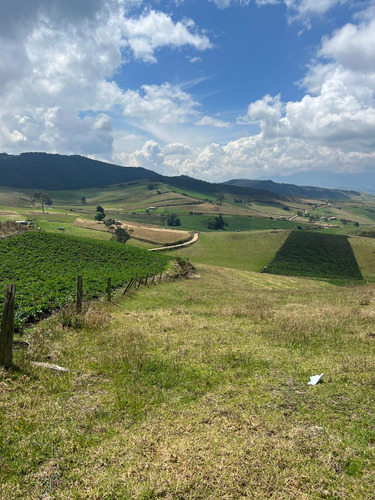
(193, 386)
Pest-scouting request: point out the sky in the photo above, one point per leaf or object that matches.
(213, 89)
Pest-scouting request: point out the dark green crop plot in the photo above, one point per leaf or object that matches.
(44, 267)
(319, 255)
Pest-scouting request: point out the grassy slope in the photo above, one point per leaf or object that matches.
(249, 251)
(198, 389)
(364, 251)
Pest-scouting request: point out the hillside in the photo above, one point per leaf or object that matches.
(197, 389)
(53, 172)
(295, 191)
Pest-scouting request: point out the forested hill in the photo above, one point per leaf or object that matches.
(293, 190)
(59, 172)
(53, 172)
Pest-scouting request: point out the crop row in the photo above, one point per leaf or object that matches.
(314, 254)
(44, 268)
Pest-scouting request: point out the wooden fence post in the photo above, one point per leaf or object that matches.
(131, 282)
(7, 327)
(109, 289)
(79, 293)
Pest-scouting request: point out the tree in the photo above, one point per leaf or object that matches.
(121, 235)
(173, 220)
(42, 198)
(99, 216)
(216, 222)
(83, 200)
(109, 222)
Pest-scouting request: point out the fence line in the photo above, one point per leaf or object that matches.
(7, 322)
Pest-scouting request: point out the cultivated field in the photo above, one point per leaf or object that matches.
(315, 254)
(44, 267)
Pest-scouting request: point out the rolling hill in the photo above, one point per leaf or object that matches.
(316, 193)
(53, 172)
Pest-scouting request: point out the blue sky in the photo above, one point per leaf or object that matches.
(215, 89)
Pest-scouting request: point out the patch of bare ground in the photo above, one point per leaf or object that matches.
(11, 228)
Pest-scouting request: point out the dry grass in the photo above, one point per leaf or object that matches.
(198, 389)
(159, 236)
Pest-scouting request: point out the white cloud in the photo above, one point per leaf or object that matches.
(165, 104)
(223, 4)
(150, 157)
(304, 10)
(352, 46)
(62, 55)
(155, 30)
(58, 93)
(339, 111)
(212, 122)
(332, 128)
(177, 149)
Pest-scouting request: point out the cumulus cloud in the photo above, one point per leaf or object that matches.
(150, 157)
(63, 55)
(339, 108)
(352, 46)
(160, 103)
(156, 29)
(332, 128)
(58, 93)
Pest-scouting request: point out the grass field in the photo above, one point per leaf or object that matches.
(197, 389)
(249, 251)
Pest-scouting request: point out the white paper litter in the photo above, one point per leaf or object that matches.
(315, 379)
(50, 366)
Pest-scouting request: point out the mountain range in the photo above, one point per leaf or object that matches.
(50, 172)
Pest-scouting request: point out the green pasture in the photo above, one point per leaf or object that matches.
(364, 251)
(238, 223)
(249, 251)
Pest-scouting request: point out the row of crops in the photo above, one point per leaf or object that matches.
(315, 254)
(44, 267)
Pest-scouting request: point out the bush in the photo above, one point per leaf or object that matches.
(173, 220)
(121, 235)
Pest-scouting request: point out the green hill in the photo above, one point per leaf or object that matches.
(313, 192)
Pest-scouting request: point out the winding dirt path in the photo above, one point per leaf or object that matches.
(170, 247)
